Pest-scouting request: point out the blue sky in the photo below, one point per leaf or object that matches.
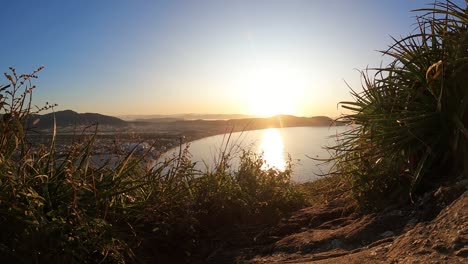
(162, 57)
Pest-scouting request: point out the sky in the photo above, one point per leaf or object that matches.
(141, 57)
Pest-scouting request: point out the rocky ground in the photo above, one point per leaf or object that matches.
(433, 229)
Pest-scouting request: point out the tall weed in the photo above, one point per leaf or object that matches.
(59, 208)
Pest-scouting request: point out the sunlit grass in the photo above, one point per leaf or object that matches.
(58, 208)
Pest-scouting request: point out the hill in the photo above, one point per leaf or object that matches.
(202, 128)
(243, 123)
(284, 121)
(193, 128)
(158, 118)
(71, 118)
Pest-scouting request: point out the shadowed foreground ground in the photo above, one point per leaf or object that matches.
(432, 230)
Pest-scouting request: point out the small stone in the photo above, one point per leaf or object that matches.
(387, 234)
(396, 212)
(413, 221)
(463, 183)
(336, 243)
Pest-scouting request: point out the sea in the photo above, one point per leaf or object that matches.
(304, 147)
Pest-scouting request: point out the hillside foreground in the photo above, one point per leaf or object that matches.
(433, 229)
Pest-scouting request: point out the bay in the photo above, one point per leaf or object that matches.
(301, 143)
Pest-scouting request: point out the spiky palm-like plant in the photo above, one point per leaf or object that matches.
(411, 120)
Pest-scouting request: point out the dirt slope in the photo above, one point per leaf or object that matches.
(432, 230)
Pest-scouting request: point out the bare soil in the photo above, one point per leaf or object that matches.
(433, 229)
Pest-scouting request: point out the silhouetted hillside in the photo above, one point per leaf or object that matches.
(175, 117)
(213, 127)
(72, 118)
(69, 119)
(260, 123)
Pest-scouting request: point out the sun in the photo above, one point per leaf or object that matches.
(273, 90)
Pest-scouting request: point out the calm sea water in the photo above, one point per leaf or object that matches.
(300, 143)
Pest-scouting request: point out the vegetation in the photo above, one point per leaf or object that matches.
(410, 121)
(410, 128)
(56, 207)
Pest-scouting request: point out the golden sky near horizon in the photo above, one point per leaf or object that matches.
(222, 57)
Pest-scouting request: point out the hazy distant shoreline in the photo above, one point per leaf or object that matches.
(167, 133)
(69, 121)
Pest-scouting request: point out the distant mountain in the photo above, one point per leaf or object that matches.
(213, 127)
(175, 117)
(275, 122)
(71, 118)
(213, 123)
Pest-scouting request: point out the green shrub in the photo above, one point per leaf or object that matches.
(250, 194)
(410, 121)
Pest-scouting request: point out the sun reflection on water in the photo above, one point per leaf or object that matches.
(272, 149)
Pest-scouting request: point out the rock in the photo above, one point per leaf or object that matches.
(387, 234)
(396, 213)
(463, 183)
(413, 221)
(336, 243)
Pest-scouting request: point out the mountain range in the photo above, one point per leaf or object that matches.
(173, 117)
(69, 118)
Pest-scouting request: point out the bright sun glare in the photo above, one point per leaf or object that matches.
(272, 149)
(275, 89)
